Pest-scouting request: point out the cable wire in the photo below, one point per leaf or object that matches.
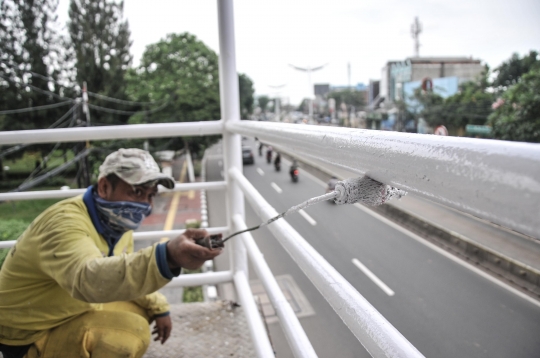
(122, 101)
(31, 109)
(116, 111)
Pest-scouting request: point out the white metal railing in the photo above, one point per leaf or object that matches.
(499, 181)
(375, 333)
(495, 180)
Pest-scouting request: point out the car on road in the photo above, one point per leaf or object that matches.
(247, 156)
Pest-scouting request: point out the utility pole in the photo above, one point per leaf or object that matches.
(416, 29)
(84, 161)
(349, 74)
(309, 70)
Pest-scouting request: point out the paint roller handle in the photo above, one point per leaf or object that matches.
(211, 241)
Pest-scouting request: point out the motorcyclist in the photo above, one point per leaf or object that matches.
(293, 170)
(277, 161)
(260, 149)
(269, 154)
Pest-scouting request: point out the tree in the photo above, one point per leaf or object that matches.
(263, 102)
(182, 71)
(510, 71)
(100, 40)
(28, 44)
(517, 116)
(246, 95)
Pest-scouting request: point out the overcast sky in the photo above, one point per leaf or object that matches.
(272, 34)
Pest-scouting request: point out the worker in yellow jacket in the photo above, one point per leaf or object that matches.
(72, 286)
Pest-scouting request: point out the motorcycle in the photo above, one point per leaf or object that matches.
(269, 155)
(277, 162)
(293, 172)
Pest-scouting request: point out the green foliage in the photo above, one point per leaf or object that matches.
(430, 107)
(509, 72)
(25, 210)
(518, 117)
(99, 44)
(247, 91)
(29, 43)
(10, 230)
(192, 294)
(349, 97)
(184, 71)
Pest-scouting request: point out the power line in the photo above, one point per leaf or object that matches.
(121, 101)
(54, 125)
(116, 111)
(93, 94)
(38, 108)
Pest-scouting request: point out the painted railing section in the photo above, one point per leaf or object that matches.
(495, 180)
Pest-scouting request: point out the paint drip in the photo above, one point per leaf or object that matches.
(364, 190)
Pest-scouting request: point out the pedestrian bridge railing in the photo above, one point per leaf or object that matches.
(497, 181)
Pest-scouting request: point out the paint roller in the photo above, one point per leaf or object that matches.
(364, 190)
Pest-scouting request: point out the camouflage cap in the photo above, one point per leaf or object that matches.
(134, 166)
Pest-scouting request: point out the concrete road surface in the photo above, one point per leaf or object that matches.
(444, 308)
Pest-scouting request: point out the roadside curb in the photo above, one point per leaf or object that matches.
(516, 273)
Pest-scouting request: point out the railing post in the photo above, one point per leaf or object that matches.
(230, 112)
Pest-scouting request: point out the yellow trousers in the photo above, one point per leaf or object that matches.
(121, 329)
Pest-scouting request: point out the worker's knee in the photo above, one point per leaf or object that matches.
(99, 334)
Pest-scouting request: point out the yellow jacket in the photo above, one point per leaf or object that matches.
(59, 269)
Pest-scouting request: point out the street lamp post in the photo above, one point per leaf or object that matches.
(277, 101)
(309, 70)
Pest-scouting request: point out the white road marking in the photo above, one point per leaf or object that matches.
(307, 217)
(276, 188)
(260, 171)
(448, 255)
(373, 278)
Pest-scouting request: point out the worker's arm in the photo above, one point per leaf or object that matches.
(69, 256)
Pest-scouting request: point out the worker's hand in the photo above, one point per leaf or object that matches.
(162, 329)
(184, 252)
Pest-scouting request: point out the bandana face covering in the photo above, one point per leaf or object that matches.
(122, 216)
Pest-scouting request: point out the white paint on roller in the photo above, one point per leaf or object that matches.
(276, 188)
(448, 255)
(307, 217)
(260, 171)
(373, 278)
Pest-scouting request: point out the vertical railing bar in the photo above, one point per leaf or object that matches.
(376, 334)
(257, 330)
(297, 338)
(230, 112)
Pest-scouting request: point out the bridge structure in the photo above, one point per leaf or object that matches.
(494, 180)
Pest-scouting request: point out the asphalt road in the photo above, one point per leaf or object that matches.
(443, 308)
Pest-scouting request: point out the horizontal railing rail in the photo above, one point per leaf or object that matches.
(375, 333)
(157, 130)
(495, 180)
(146, 235)
(59, 194)
(198, 279)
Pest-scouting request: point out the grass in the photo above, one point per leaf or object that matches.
(192, 294)
(27, 163)
(25, 210)
(15, 218)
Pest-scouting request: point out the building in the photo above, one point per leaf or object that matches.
(395, 74)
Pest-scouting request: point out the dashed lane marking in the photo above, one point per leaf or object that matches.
(276, 188)
(307, 217)
(260, 171)
(373, 278)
